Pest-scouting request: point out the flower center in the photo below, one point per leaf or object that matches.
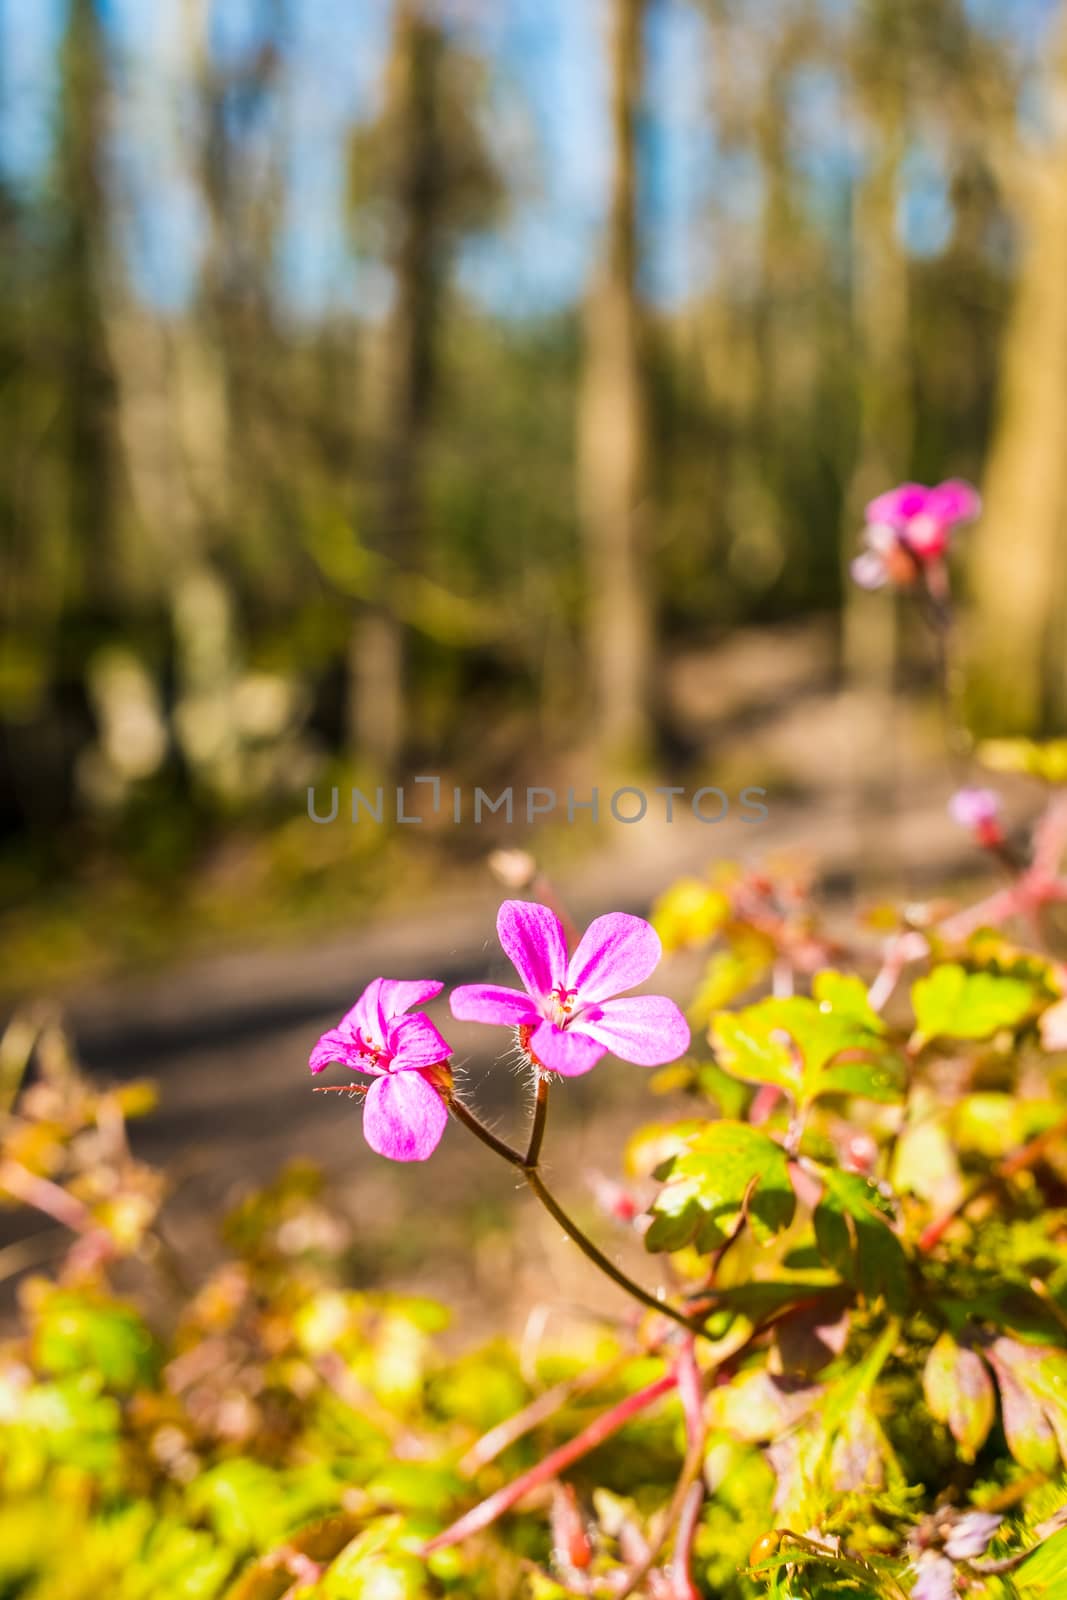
(564, 1003)
(376, 1054)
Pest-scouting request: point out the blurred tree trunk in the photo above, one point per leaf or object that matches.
(612, 431)
(1020, 554)
(881, 318)
(87, 405)
(378, 712)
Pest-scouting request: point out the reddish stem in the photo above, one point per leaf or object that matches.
(557, 1461)
(682, 1586)
(691, 1394)
(46, 1196)
(545, 1405)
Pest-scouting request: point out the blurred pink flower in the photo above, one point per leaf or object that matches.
(979, 811)
(910, 527)
(404, 1114)
(568, 1017)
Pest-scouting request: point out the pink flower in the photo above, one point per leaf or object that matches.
(909, 528)
(979, 811)
(404, 1114)
(568, 1017)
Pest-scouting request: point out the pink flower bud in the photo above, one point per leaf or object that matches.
(979, 811)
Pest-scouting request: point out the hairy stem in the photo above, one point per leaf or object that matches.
(957, 739)
(594, 1254)
(540, 1118)
(591, 1251)
(499, 1146)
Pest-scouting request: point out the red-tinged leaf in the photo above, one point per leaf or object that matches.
(959, 1392)
(807, 1339)
(1029, 1432)
(858, 1452)
(757, 1406)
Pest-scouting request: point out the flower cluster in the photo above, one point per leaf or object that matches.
(908, 531)
(571, 1011)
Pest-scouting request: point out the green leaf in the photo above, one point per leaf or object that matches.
(731, 973)
(728, 1096)
(78, 1333)
(1045, 1572)
(846, 994)
(854, 1236)
(376, 1566)
(707, 1185)
(71, 1422)
(808, 1048)
(251, 1505)
(416, 1486)
(757, 1299)
(859, 1381)
(959, 1392)
(953, 1003)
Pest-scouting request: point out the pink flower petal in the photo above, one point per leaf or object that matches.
(869, 570)
(1053, 1027)
(414, 1042)
(367, 1016)
(403, 1117)
(937, 1578)
(533, 942)
(336, 1046)
(897, 505)
(488, 1002)
(954, 501)
(973, 808)
(565, 1050)
(647, 1029)
(616, 953)
(400, 994)
(881, 538)
(927, 538)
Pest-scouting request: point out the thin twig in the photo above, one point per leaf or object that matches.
(682, 1585)
(591, 1251)
(543, 1406)
(691, 1392)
